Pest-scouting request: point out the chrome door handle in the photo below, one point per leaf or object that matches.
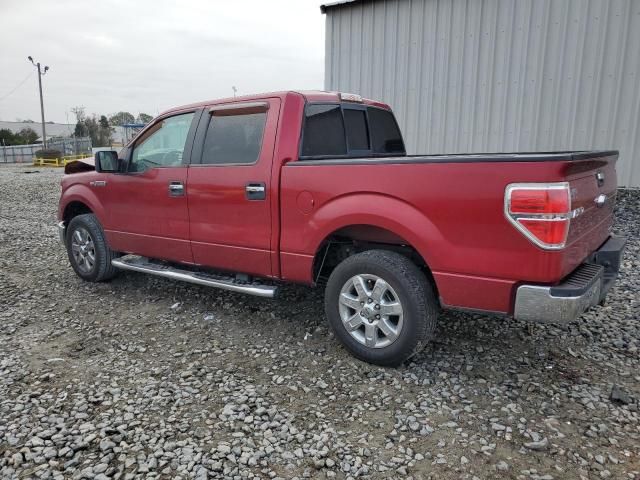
(176, 189)
(98, 183)
(255, 191)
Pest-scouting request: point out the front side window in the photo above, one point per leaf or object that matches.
(234, 139)
(162, 145)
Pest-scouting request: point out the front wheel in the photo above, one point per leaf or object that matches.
(381, 307)
(89, 254)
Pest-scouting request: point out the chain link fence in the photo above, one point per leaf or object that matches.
(25, 153)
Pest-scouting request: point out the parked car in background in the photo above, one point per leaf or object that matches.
(316, 188)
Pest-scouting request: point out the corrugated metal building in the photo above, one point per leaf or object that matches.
(496, 75)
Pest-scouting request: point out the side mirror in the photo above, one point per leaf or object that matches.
(107, 161)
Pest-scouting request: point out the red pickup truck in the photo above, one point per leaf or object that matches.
(316, 188)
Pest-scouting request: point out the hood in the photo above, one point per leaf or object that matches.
(80, 165)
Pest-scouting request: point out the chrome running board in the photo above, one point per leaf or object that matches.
(142, 264)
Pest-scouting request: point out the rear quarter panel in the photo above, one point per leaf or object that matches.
(451, 213)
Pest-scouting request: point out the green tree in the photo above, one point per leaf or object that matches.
(104, 132)
(98, 129)
(121, 118)
(26, 136)
(7, 137)
(80, 130)
(144, 118)
(92, 128)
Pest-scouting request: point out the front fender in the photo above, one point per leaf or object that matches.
(80, 192)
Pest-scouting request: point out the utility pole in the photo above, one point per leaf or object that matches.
(235, 90)
(40, 74)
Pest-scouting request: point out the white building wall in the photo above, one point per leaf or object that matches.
(496, 75)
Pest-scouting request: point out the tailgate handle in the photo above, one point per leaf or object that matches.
(600, 178)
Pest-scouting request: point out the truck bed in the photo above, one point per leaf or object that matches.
(560, 156)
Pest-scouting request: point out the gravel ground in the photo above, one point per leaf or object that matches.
(144, 377)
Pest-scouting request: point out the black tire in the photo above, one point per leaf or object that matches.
(415, 295)
(101, 269)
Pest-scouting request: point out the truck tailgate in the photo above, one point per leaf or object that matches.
(592, 178)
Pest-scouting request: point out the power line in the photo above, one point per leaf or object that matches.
(19, 85)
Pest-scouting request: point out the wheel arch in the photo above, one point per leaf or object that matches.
(77, 200)
(73, 209)
(380, 220)
(351, 239)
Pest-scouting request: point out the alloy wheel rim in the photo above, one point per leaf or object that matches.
(83, 249)
(371, 311)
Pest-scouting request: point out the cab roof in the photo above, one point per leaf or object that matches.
(311, 96)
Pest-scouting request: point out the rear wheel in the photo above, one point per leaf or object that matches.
(88, 252)
(381, 307)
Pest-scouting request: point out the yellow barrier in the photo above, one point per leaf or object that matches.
(57, 162)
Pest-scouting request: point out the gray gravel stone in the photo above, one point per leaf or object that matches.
(538, 445)
(618, 394)
(109, 381)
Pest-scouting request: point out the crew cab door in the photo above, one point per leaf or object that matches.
(230, 190)
(147, 201)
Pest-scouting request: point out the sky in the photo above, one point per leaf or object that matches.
(151, 55)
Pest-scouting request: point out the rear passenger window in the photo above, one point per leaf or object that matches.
(385, 134)
(234, 139)
(323, 131)
(356, 126)
(349, 130)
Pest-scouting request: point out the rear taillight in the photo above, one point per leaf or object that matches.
(541, 211)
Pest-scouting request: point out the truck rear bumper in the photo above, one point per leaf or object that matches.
(585, 287)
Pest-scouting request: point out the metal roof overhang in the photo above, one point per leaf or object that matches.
(325, 6)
